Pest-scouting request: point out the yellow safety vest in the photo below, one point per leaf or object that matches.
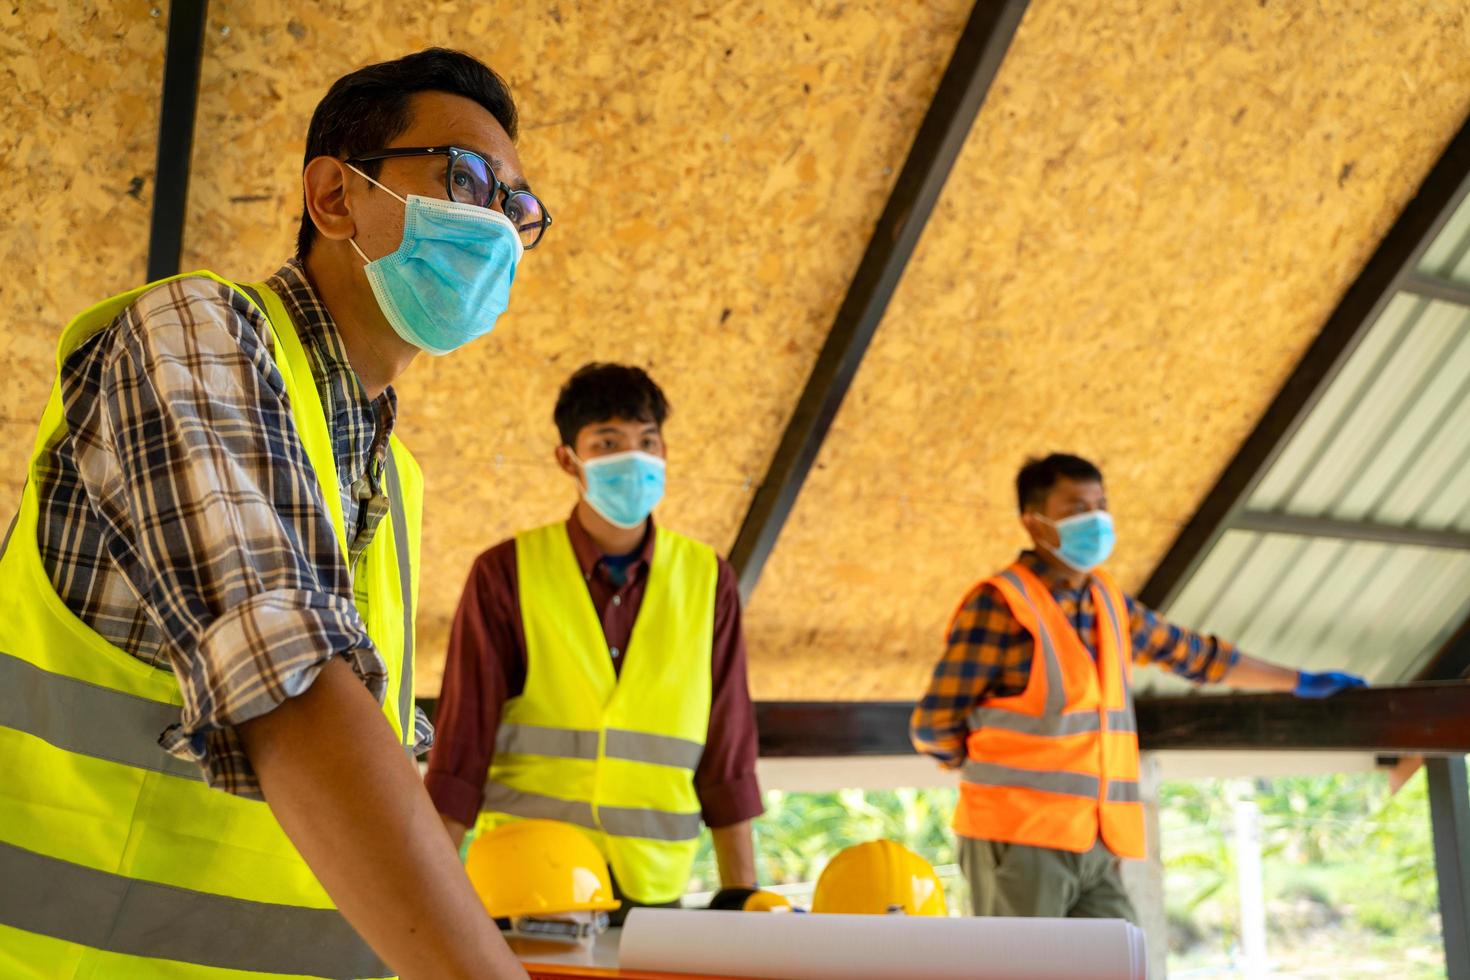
(613, 754)
(116, 860)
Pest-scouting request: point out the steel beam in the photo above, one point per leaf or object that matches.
(1325, 527)
(181, 68)
(1449, 814)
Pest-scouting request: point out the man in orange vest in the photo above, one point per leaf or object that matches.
(1033, 702)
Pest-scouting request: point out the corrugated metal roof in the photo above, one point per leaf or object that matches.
(1391, 429)
(1387, 444)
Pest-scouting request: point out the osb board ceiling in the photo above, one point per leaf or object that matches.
(78, 130)
(1153, 216)
(1157, 208)
(714, 175)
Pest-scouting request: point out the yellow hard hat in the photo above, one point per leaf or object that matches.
(878, 878)
(538, 867)
(762, 901)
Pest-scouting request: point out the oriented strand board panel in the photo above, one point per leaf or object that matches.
(1157, 209)
(714, 170)
(78, 129)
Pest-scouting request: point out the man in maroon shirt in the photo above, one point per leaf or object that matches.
(610, 420)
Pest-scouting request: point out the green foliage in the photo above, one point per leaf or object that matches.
(801, 831)
(1348, 868)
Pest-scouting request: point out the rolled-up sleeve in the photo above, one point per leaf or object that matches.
(212, 511)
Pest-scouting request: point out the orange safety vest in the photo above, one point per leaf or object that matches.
(1057, 765)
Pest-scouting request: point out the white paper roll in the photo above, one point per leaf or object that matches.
(881, 947)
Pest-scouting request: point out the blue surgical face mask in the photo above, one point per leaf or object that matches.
(623, 487)
(450, 276)
(1086, 539)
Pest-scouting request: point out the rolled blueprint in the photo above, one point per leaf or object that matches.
(880, 947)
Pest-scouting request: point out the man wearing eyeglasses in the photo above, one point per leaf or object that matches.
(207, 598)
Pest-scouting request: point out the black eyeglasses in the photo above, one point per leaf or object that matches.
(469, 179)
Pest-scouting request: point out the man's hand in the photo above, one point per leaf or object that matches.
(352, 802)
(1325, 684)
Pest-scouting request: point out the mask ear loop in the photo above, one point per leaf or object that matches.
(353, 240)
(1043, 545)
(583, 484)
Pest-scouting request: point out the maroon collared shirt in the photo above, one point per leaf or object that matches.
(486, 666)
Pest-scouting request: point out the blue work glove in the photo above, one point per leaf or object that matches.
(1325, 684)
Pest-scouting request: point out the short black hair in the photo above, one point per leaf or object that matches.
(599, 392)
(1038, 476)
(367, 109)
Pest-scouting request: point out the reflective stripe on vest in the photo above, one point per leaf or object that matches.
(139, 918)
(1056, 765)
(574, 743)
(1062, 783)
(614, 754)
(200, 878)
(399, 517)
(621, 821)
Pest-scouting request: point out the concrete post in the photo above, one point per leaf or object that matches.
(1254, 963)
(1145, 879)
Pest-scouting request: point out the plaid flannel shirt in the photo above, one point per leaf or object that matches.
(180, 517)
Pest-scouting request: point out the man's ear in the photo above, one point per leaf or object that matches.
(567, 464)
(325, 185)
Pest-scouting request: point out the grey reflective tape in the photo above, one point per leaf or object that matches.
(405, 587)
(500, 798)
(87, 719)
(1123, 791)
(1073, 723)
(560, 743)
(616, 820)
(1064, 783)
(662, 750)
(649, 824)
(77, 904)
(1056, 694)
(1122, 721)
(1125, 649)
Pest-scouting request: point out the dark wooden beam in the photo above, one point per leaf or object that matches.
(976, 59)
(1426, 719)
(1415, 719)
(183, 56)
(1390, 269)
(795, 729)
